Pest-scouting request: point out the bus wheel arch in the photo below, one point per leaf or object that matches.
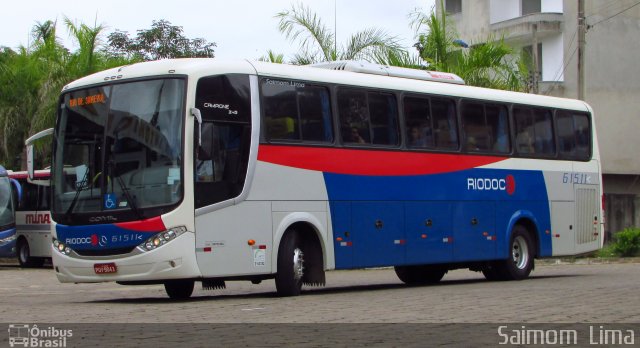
(23, 252)
(526, 219)
(299, 259)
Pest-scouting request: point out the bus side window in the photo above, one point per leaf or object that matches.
(296, 112)
(384, 118)
(445, 123)
(574, 135)
(583, 136)
(354, 116)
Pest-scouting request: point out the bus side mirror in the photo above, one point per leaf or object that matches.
(30, 153)
(196, 113)
(30, 169)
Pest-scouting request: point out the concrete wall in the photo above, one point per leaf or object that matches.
(502, 10)
(472, 24)
(551, 6)
(613, 87)
(553, 58)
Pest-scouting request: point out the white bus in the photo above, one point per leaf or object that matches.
(33, 220)
(178, 171)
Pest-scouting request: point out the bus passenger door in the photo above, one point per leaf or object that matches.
(429, 232)
(474, 231)
(378, 234)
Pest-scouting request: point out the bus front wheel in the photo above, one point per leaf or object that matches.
(180, 289)
(25, 258)
(290, 266)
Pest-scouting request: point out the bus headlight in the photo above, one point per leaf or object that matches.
(61, 247)
(161, 238)
(8, 239)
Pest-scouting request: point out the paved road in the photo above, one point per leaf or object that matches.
(566, 293)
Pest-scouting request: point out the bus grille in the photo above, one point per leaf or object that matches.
(107, 252)
(586, 215)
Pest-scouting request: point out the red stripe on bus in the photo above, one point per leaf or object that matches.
(154, 224)
(370, 162)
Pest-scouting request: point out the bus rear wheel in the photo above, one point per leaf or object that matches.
(521, 253)
(24, 256)
(419, 275)
(180, 289)
(290, 265)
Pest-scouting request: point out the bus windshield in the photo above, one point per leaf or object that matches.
(7, 216)
(118, 152)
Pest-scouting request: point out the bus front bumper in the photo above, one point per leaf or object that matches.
(175, 260)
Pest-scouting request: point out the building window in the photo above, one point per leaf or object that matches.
(531, 6)
(453, 6)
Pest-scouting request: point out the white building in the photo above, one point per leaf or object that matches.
(612, 70)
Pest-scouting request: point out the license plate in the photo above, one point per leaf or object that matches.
(105, 268)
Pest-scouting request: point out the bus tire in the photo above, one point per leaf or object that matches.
(180, 289)
(521, 256)
(290, 265)
(420, 275)
(24, 256)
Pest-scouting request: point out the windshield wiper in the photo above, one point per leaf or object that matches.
(80, 187)
(125, 191)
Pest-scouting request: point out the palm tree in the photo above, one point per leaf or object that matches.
(317, 41)
(273, 57)
(491, 63)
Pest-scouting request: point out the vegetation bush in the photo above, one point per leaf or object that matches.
(625, 244)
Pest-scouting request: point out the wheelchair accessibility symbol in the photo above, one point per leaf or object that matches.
(110, 201)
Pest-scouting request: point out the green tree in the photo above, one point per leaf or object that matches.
(491, 64)
(317, 41)
(161, 41)
(25, 75)
(31, 79)
(273, 57)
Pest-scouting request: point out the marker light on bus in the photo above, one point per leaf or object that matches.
(161, 238)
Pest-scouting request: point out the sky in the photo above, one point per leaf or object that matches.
(240, 28)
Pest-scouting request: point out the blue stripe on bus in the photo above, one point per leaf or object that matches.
(7, 249)
(100, 237)
(454, 217)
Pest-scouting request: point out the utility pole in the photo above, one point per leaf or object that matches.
(536, 58)
(582, 31)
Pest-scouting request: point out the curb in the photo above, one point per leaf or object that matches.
(588, 261)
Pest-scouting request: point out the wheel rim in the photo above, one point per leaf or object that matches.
(520, 252)
(298, 264)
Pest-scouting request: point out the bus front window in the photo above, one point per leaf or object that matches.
(119, 151)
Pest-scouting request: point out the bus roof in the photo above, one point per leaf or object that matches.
(211, 66)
